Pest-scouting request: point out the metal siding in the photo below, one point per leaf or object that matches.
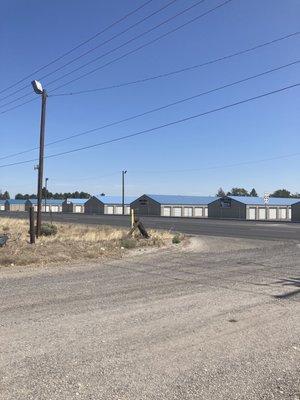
(237, 210)
(145, 206)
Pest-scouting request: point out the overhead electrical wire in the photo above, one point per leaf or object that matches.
(156, 128)
(157, 108)
(128, 53)
(178, 71)
(79, 45)
(91, 50)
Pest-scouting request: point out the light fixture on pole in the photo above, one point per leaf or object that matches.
(123, 191)
(38, 88)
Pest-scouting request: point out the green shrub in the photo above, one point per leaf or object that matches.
(176, 239)
(48, 229)
(128, 243)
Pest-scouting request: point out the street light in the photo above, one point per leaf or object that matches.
(123, 191)
(38, 88)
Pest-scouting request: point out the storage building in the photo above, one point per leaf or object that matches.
(15, 205)
(172, 205)
(2, 205)
(73, 205)
(52, 205)
(296, 211)
(251, 208)
(111, 205)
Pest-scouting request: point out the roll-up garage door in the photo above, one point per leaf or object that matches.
(167, 211)
(110, 209)
(290, 213)
(54, 208)
(198, 212)
(272, 213)
(282, 213)
(127, 210)
(78, 209)
(206, 211)
(252, 213)
(188, 212)
(119, 210)
(261, 213)
(177, 211)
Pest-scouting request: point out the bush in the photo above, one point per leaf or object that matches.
(128, 243)
(176, 239)
(48, 230)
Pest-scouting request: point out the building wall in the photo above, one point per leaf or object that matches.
(94, 206)
(269, 213)
(145, 206)
(14, 207)
(116, 209)
(296, 212)
(223, 208)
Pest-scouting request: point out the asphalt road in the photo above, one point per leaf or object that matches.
(228, 228)
(223, 324)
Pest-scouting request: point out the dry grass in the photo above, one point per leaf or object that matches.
(73, 242)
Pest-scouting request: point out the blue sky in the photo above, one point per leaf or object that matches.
(33, 33)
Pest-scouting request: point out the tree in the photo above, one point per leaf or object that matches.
(253, 193)
(281, 193)
(221, 192)
(238, 192)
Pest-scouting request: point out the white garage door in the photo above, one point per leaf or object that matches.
(119, 210)
(177, 212)
(290, 213)
(110, 210)
(252, 213)
(54, 208)
(167, 211)
(282, 213)
(198, 212)
(188, 212)
(261, 213)
(78, 209)
(272, 213)
(206, 211)
(127, 210)
(2, 208)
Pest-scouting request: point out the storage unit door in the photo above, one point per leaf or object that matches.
(252, 213)
(282, 213)
(127, 210)
(119, 210)
(290, 213)
(110, 210)
(261, 213)
(272, 213)
(198, 212)
(54, 208)
(206, 211)
(188, 212)
(177, 212)
(2, 208)
(167, 211)
(77, 209)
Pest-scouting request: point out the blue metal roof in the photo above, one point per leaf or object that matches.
(259, 201)
(14, 201)
(76, 201)
(52, 202)
(116, 199)
(180, 200)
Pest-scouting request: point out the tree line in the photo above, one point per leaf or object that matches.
(236, 191)
(56, 196)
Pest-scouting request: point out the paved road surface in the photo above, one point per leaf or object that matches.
(170, 325)
(229, 228)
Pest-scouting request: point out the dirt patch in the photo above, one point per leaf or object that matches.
(73, 242)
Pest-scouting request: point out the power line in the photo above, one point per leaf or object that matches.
(118, 58)
(79, 45)
(178, 71)
(169, 73)
(88, 51)
(143, 45)
(157, 108)
(154, 129)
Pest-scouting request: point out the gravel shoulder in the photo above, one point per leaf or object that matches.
(216, 319)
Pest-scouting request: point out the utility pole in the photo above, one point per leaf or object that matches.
(38, 88)
(123, 191)
(46, 193)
